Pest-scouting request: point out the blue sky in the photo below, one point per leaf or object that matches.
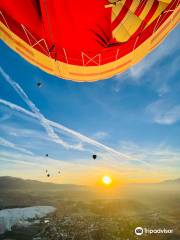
(132, 121)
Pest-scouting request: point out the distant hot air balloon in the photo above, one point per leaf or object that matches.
(39, 84)
(86, 40)
(94, 156)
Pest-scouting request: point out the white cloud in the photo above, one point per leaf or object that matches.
(6, 143)
(4, 117)
(49, 126)
(169, 45)
(161, 154)
(100, 135)
(152, 70)
(164, 112)
(32, 159)
(69, 132)
(163, 89)
(34, 109)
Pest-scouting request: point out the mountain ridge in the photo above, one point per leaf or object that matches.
(10, 183)
(20, 183)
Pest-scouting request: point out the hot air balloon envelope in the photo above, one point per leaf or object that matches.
(86, 40)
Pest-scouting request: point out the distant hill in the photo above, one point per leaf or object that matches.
(12, 183)
(162, 183)
(171, 181)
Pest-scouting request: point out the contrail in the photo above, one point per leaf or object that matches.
(50, 125)
(69, 131)
(6, 143)
(4, 159)
(35, 110)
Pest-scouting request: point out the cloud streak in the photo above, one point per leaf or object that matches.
(160, 155)
(100, 135)
(151, 68)
(170, 45)
(68, 131)
(163, 112)
(50, 131)
(6, 143)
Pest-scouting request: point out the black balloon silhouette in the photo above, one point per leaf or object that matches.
(39, 84)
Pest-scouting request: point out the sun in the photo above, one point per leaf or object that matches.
(106, 180)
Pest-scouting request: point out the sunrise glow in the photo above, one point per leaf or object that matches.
(107, 180)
